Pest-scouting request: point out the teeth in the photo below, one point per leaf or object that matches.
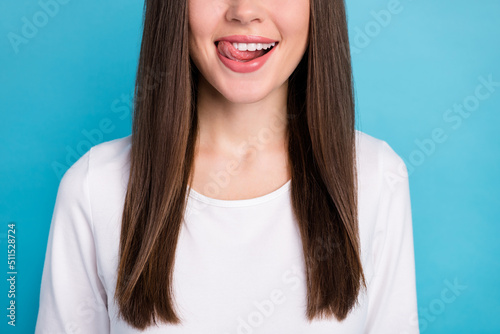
(252, 46)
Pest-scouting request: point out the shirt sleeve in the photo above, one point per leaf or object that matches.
(72, 297)
(392, 305)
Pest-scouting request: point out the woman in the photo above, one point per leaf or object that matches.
(244, 201)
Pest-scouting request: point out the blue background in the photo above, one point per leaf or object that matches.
(73, 80)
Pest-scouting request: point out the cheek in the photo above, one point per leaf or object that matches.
(294, 21)
(196, 22)
(204, 16)
(199, 27)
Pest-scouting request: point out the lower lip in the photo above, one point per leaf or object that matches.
(245, 67)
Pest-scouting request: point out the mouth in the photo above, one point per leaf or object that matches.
(243, 52)
(269, 49)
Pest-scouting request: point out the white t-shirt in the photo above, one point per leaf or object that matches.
(239, 264)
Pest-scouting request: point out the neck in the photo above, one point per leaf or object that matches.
(237, 128)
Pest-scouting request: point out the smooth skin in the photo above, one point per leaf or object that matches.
(241, 151)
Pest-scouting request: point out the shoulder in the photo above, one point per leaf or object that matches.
(113, 153)
(107, 153)
(109, 166)
(383, 194)
(100, 166)
(376, 159)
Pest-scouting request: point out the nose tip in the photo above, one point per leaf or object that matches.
(244, 12)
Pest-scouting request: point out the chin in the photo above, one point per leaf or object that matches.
(245, 95)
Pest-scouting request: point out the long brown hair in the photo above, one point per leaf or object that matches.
(321, 153)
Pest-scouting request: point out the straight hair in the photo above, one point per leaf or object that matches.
(321, 153)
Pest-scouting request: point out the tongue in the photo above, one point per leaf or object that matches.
(229, 51)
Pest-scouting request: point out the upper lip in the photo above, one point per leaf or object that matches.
(246, 39)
